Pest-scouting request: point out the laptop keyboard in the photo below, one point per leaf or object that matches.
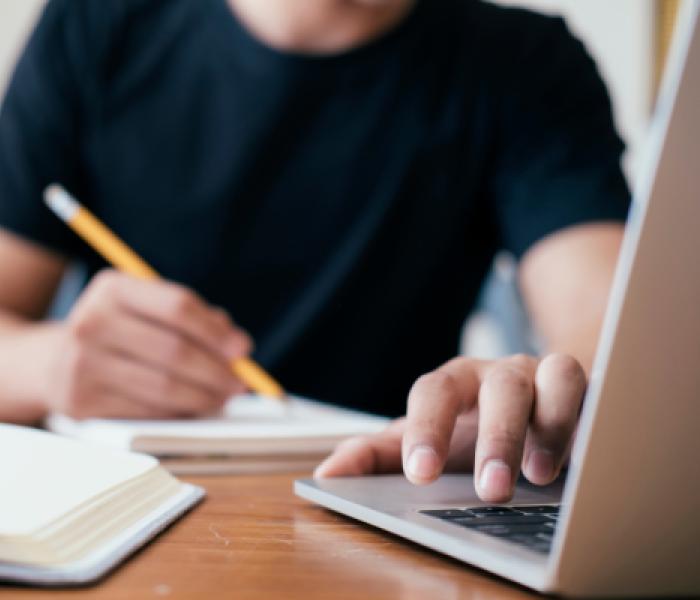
(530, 526)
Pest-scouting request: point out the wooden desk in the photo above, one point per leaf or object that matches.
(252, 538)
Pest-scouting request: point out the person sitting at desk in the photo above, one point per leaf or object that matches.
(336, 175)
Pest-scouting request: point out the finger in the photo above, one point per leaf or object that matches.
(156, 387)
(177, 307)
(434, 402)
(560, 383)
(463, 445)
(158, 346)
(380, 453)
(243, 345)
(505, 402)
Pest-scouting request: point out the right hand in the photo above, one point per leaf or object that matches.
(494, 418)
(141, 349)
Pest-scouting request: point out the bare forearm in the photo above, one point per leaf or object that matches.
(579, 338)
(24, 368)
(566, 281)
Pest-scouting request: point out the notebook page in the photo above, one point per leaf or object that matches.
(43, 476)
(243, 417)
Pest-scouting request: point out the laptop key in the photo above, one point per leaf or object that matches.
(530, 540)
(543, 547)
(526, 539)
(506, 530)
(528, 526)
(503, 520)
(492, 510)
(537, 510)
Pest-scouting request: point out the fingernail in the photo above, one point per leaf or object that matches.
(540, 466)
(495, 480)
(423, 463)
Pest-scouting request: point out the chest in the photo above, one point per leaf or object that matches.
(207, 167)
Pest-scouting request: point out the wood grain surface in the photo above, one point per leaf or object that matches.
(252, 538)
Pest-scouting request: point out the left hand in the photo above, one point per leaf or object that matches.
(493, 417)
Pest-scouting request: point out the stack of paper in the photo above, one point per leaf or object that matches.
(251, 435)
(69, 511)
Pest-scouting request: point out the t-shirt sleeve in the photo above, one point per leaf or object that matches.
(559, 153)
(40, 129)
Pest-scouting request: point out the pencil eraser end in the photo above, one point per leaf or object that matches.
(60, 201)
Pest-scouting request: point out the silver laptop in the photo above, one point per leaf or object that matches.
(627, 519)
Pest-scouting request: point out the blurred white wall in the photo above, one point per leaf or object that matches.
(17, 18)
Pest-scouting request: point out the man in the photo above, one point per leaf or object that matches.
(335, 174)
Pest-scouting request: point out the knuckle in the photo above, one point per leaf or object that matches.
(439, 382)
(222, 317)
(182, 302)
(175, 350)
(521, 361)
(510, 377)
(502, 437)
(83, 324)
(564, 367)
(105, 282)
(457, 362)
(164, 384)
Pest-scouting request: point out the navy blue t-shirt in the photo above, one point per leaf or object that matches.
(343, 208)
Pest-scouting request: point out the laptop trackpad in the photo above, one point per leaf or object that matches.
(395, 494)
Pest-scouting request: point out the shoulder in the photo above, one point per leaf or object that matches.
(508, 26)
(95, 15)
(96, 42)
(93, 28)
(531, 59)
(504, 38)
(513, 22)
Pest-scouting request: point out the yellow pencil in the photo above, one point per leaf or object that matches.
(118, 254)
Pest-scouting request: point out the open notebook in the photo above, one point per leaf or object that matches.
(70, 511)
(251, 435)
